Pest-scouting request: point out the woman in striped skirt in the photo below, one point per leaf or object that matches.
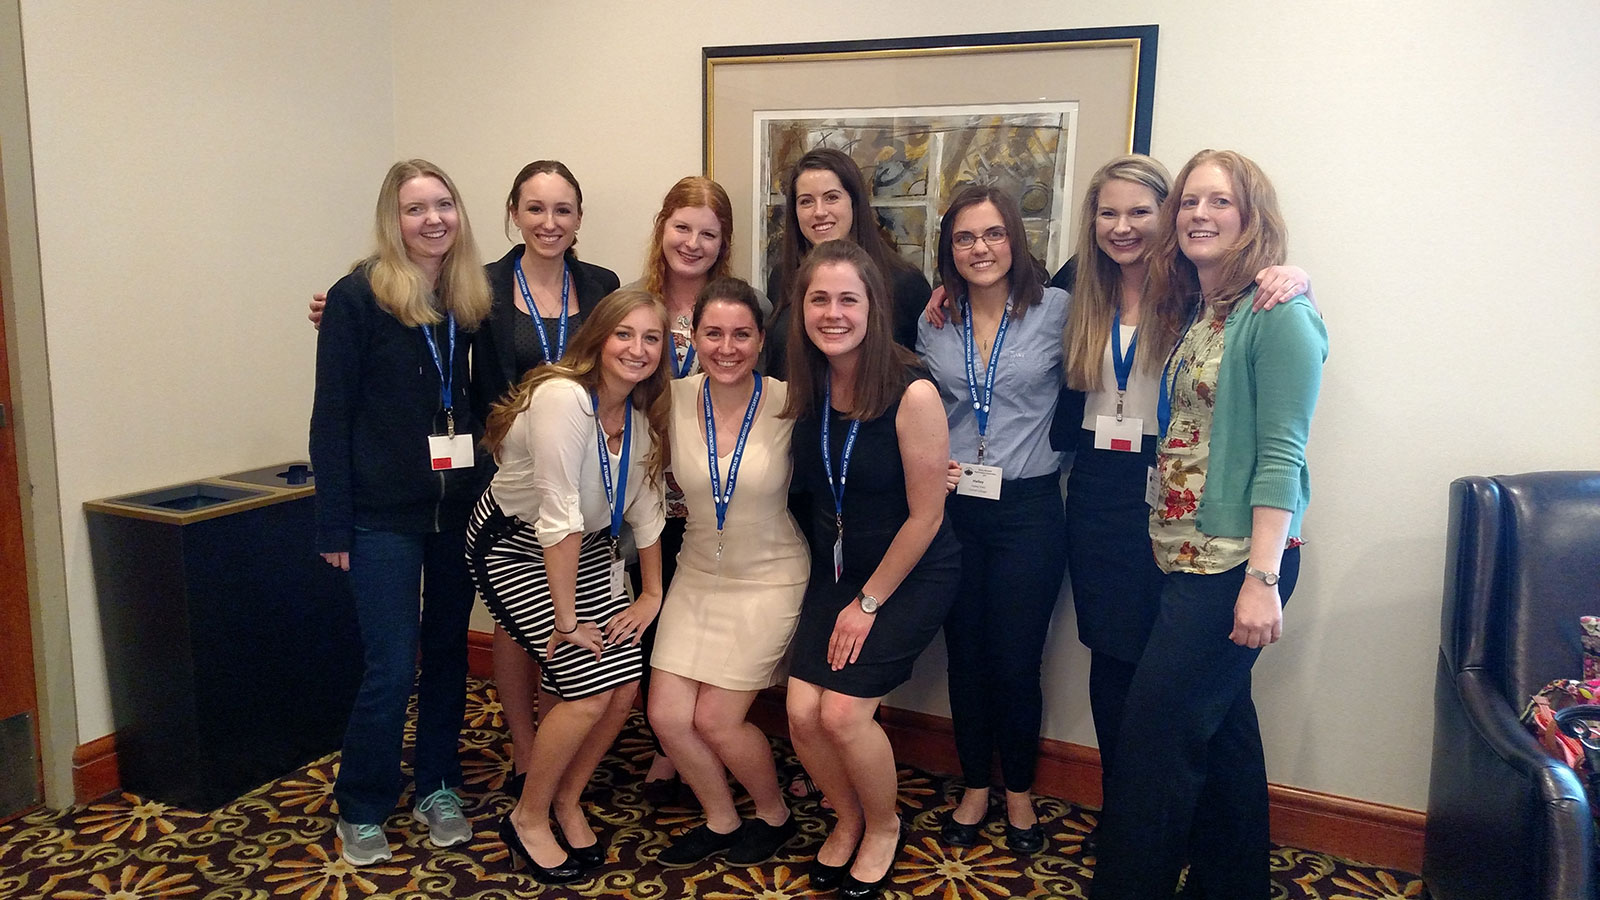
(579, 446)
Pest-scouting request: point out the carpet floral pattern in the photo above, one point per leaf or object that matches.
(278, 842)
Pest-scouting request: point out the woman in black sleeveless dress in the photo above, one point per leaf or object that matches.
(870, 450)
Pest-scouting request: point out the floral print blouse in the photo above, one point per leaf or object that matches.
(1183, 455)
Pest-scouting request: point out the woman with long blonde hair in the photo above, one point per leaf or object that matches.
(392, 441)
(580, 447)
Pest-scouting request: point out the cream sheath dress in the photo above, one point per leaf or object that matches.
(728, 622)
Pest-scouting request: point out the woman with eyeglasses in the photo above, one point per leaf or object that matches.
(997, 369)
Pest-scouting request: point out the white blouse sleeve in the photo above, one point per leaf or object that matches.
(558, 427)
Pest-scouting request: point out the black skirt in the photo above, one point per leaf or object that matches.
(1116, 586)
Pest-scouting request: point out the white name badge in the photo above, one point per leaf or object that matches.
(1127, 435)
(838, 558)
(979, 481)
(449, 452)
(619, 580)
(1152, 487)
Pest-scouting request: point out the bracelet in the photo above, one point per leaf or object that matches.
(569, 630)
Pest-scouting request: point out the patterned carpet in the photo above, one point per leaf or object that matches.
(278, 842)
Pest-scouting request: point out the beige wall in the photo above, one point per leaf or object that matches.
(199, 169)
(202, 167)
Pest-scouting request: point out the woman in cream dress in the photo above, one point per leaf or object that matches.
(735, 598)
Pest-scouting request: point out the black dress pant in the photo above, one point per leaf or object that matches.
(1011, 570)
(1191, 780)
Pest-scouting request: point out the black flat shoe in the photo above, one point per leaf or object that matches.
(960, 834)
(1028, 840)
(664, 792)
(696, 844)
(565, 872)
(759, 842)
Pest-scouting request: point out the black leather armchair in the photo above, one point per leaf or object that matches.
(1505, 820)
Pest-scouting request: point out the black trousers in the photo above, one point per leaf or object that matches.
(1011, 569)
(1192, 778)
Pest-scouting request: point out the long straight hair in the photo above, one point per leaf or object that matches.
(1263, 239)
(865, 230)
(1097, 292)
(1027, 275)
(882, 364)
(690, 192)
(581, 363)
(399, 285)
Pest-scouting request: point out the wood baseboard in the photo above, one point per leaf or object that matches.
(94, 769)
(480, 654)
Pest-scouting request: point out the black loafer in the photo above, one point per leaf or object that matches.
(1028, 840)
(959, 834)
(758, 841)
(696, 844)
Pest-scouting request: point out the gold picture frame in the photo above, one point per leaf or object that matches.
(1107, 74)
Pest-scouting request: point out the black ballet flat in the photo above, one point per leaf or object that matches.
(565, 872)
(1028, 840)
(960, 834)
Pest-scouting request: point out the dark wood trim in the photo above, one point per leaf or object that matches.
(480, 654)
(94, 769)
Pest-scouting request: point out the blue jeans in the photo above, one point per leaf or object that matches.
(384, 571)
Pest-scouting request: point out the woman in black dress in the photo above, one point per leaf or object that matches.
(884, 565)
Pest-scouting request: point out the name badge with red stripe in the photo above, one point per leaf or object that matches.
(1125, 434)
(450, 451)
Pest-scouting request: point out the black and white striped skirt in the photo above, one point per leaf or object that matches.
(507, 564)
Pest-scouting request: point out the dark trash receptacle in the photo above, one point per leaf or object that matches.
(231, 647)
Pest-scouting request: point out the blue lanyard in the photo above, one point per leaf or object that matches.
(446, 372)
(682, 371)
(1121, 365)
(614, 495)
(718, 496)
(844, 460)
(980, 403)
(1169, 381)
(538, 320)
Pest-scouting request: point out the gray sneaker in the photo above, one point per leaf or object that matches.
(440, 813)
(362, 845)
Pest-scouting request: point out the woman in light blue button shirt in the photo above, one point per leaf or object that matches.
(998, 369)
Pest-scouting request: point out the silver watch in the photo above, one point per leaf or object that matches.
(869, 603)
(1267, 578)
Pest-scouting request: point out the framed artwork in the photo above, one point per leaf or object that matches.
(1033, 112)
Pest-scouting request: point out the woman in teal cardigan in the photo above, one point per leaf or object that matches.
(1231, 485)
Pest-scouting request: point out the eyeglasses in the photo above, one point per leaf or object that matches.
(965, 240)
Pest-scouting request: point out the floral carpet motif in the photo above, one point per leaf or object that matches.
(278, 842)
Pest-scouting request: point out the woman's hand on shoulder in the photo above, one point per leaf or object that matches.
(318, 302)
(936, 312)
(339, 560)
(1280, 284)
(627, 627)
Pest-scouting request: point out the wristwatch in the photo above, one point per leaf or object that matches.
(869, 603)
(1267, 578)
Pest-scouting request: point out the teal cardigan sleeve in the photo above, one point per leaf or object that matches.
(1286, 356)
